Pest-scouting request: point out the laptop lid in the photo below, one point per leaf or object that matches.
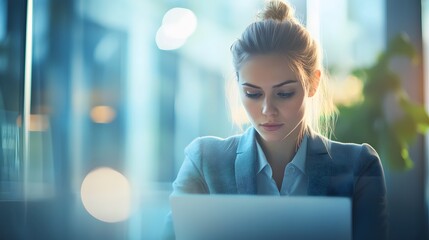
(260, 217)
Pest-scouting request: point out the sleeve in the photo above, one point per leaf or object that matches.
(189, 180)
(369, 199)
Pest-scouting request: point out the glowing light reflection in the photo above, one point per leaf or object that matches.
(106, 195)
(164, 42)
(348, 91)
(177, 25)
(37, 122)
(103, 114)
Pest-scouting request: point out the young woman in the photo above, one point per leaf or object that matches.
(281, 87)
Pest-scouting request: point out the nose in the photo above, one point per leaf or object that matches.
(268, 107)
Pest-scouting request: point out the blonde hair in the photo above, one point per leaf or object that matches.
(278, 31)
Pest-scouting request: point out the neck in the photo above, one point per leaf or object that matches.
(280, 153)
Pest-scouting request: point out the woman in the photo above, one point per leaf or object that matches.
(280, 81)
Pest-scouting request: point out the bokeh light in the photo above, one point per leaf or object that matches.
(37, 123)
(164, 42)
(177, 25)
(103, 114)
(348, 91)
(179, 22)
(106, 195)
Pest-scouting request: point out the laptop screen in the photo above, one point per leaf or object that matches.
(260, 217)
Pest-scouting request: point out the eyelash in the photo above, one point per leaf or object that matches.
(280, 94)
(286, 94)
(253, 95)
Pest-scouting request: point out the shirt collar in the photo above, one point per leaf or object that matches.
(262, 160)
(298, 160)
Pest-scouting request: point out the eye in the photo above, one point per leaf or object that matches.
(253, 95)
(285, 94)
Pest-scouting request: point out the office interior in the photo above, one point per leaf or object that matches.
(98, 99)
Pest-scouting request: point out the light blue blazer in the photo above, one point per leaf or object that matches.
(229, 166)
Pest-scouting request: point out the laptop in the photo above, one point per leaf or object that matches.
(207, 217)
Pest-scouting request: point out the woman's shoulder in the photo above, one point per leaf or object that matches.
(352, 149)
(360, 156)
(340, 148)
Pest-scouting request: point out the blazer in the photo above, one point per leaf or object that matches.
(228, 166)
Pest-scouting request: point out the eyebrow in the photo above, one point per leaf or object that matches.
(275, 86)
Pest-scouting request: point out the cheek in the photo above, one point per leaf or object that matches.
(251, 107)
(299, 108)
(293, 109)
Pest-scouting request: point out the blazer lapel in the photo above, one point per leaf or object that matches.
(245, 163)
(318, 166)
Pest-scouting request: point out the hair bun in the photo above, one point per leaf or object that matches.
(277, 10)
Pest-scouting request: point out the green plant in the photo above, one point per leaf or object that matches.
(385, 118)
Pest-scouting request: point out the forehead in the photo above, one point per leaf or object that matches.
(267, 69)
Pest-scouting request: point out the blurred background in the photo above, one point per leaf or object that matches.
(98, 99)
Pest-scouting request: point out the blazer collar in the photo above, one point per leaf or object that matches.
(246, 163)
(318, 165)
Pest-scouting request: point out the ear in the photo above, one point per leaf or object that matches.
(314, 83)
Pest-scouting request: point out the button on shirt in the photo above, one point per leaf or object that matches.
(295, 181)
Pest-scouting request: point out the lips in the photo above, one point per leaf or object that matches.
(270, 127)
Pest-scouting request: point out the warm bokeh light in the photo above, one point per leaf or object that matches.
(347, 92)
(37, 123)
(106, 195)
(103, 114)
(177, 25)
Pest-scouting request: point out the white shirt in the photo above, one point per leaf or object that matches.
(295, 181)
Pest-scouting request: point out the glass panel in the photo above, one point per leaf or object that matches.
(40, 165)
(12, 46)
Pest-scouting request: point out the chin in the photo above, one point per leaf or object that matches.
(271, 137)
